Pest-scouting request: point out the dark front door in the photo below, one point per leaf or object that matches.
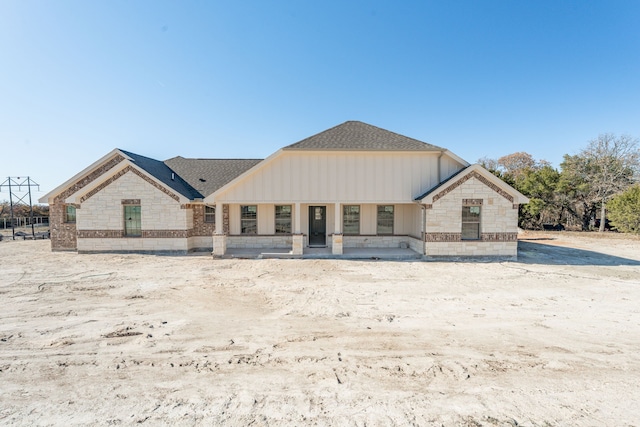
(317, 226)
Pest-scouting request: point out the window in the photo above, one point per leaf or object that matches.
(132, 221)
(283, 219)
(70, 213)
(210, 214)
(249, 219)
(351, 219)
(385, 219)
(471, 223)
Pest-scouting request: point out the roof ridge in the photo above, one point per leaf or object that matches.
(129, 153)
(211, 158)
(356, 135)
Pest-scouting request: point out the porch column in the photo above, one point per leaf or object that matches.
(336, 239)
(219, 238)
(297, 238)
(296, 219)
(423, 234)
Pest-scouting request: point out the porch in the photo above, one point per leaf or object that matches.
(317, 230)
(396, 254)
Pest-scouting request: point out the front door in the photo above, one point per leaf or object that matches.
(317, 226)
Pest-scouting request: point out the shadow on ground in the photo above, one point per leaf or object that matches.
(539, 253)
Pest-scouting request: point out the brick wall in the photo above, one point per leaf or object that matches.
(63, 235)
(200, 227)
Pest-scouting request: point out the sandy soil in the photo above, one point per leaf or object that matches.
(553, 339)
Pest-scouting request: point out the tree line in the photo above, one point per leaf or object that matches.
(22, 210)
(595, 189)
(598, 188)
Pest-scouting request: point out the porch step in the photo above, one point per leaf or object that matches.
(325, 253)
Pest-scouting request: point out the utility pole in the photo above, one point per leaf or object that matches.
(20, 188)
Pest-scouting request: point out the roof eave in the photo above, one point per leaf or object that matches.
(518, 198)
(211, 197)
(76, 177)
(457, 158)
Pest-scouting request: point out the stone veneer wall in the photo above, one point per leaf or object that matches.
(100, 227)
(100, 222)
(200, 243)
(260, 242)
(378, 242)
(133, 244)
(104, 211)
(498, 220)
(417, 245)
(472, 248)
(63, 234)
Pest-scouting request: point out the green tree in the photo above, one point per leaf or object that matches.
(624, 210)
(535, 179)
(575, 188)
(606, 167)
(540, 185)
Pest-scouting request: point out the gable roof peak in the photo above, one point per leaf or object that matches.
(354, 135)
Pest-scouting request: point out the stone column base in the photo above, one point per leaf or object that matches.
(298, 244)
(219, 244)
(336, 244)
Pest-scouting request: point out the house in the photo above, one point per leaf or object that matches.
(352, 186)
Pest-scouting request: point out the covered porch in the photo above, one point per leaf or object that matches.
(320, 230)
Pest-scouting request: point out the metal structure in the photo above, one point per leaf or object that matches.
(20, 188)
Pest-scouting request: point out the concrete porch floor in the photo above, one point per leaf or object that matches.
(325, 253)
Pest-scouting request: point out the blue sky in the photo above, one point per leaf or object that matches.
(241, 79)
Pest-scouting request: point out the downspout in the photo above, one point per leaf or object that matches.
(440, 167)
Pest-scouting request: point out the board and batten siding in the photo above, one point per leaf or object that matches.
(406, 218)
(266, 218)
(352, 177)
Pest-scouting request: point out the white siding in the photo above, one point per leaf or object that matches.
(407, 220)
(266, 218)
(448, 167)
(349, 177)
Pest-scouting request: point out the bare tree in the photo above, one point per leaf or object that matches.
(488, 163)
(606, 167)
(517, 165)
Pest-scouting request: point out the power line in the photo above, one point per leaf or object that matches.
(20, 188)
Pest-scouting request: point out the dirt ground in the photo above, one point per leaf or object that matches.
(550, 340)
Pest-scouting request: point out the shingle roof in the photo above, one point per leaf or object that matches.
(208, 175)
(354, 135)
(163, 173)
